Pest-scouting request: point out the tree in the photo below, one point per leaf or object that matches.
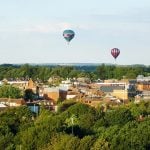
(102, 72)
(86, 143)
(63, 141)
(86, 122)
(143, 108)
(82, 116)
(28, 94)
(120, 116)
(65, 105)
(100, 144)
(8, 91)
(80, 109)
(6, 140)
(132, 135)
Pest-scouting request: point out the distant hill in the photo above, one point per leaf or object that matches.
(71, 64)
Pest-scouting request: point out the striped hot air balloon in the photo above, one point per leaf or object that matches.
(115, 52)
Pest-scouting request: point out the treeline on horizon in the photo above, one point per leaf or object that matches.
(44, 72)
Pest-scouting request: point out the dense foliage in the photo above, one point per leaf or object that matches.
(43, 73)
(77, 127)
(8, 91)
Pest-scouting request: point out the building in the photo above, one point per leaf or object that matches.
(121, 94)
(93, 102)
(23, 84)
(35, 108)
(142, 86)
(54, 93)
(120, 90)
(141, 78)
(12, 102)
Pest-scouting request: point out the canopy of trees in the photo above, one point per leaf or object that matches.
(119, 128)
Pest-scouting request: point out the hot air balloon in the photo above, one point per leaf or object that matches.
(68, 35)
(115, 52)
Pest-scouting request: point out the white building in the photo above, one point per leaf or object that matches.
(141, 78)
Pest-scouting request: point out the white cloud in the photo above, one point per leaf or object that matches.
(43, 28)
(55, 27)
(46, 28)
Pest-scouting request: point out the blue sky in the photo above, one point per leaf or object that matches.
(31, 31)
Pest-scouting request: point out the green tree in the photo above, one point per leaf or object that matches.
(74, 73)
(132, 135)
(120, 116)
(119, 72)
(29, 94)
(6, 141)
(65, 105)
(86, 143)
(100, 144)
(142, 108)
(102, 72)
(8, 91)
(63, 142)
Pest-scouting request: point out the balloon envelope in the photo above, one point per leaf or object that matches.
(115, 52)
(68, 35)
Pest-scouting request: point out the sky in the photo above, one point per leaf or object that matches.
(31, 31)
